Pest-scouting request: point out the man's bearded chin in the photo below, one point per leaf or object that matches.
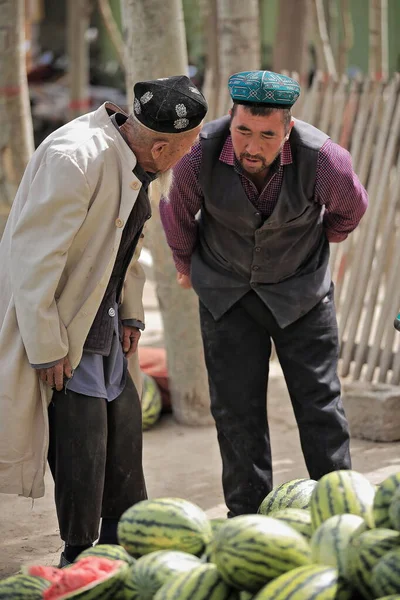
(164, 183)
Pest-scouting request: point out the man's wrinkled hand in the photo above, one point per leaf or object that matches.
(54, 376)
(184, 281)
(130, 340)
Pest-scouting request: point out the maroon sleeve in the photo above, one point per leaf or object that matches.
(178, 211)
(338, 188)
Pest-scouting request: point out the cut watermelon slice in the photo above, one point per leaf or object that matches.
(81, 577)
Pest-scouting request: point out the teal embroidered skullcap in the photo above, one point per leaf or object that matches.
(263, 87)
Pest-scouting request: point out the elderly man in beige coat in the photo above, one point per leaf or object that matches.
(71, 307)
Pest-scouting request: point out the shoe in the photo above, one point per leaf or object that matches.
(63, 561)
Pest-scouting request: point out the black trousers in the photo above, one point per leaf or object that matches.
(95, 456)
(237, 352)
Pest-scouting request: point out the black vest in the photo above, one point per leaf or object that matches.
(284, 258)
(99, 339)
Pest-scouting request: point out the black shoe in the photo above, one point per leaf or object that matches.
(63, 561)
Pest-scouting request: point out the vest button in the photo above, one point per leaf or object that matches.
(255, 267)
(119, 223)
(256, 214)
(257, 249)
(111, 312)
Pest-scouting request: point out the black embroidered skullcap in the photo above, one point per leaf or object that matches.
(169, 105)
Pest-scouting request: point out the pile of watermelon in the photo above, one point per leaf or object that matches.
(335, 539)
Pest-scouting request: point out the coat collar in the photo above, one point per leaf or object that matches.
(102, 119)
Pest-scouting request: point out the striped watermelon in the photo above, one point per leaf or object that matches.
(382, 500)
(330, 541)
(90, 578)
(386, 575)
(216, 523)
(202, 583)
(23, 586)
(292, 494)
(249, 550)
(164, 524)
(341, 492)
(311, 581)
(298, 518)
(151, 402)
(111, 551)
(153, 570)
(394, 510)
(364, 552)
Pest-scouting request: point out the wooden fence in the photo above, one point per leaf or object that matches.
(364, 117)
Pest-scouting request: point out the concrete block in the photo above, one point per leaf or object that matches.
(373, 410)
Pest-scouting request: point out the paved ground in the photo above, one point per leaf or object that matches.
(178, 461)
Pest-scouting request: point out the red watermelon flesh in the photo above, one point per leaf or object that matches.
(88, 570)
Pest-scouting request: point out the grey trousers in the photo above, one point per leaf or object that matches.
(95, 456)
(237, 351)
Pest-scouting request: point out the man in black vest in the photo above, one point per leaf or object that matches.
(249, 219)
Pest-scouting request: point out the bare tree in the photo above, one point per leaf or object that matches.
(378, 39)
(291, 40)
(324, 36)
(212, 72)
(385, 39)
(78, 19)
(16, 132)
(347, 38)
(155, 41)
(112, 30)
(238, 42)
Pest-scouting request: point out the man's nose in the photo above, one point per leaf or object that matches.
(253, 147)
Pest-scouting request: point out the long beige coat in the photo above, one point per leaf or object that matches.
(56, 257)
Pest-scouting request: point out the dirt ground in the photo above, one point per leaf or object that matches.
(183, 462)
(178, 461)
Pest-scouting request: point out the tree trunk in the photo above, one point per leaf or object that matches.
(375, 40)
(291, 41)
(211, 77)
(78, 19)
(239, 43)
(112, 30)
(154, 33)
(332, 25)
(385, 40)
(347, 39)
(16, 132)
(324, 36)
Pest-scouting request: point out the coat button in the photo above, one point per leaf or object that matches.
(257, 249)
(135, 185)
(255, 268)
(111, 312)
(119, 223)
(142, 235)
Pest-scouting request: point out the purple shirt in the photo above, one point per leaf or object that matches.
(337, 187)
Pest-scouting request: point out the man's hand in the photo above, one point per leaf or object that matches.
(54, 376)
(184, 281)
(130, 340)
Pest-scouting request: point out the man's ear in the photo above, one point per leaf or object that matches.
(158, 148)
(289, 129)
